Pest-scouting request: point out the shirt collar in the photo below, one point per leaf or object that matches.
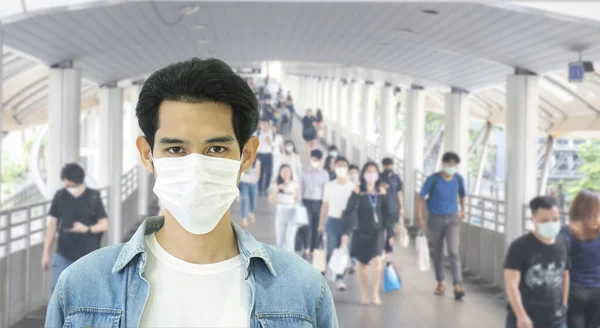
(248, 246)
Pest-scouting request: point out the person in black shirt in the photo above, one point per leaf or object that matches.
(395, 209)
(330, 162)
(309, 131)
(536, 271)
(78, 215)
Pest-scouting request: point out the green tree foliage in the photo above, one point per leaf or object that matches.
(589, 153)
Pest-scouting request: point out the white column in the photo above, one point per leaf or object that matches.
(352, 107)
(1, 95)
(388, 119)
(368, 120)
(342, 110)
(142, 173)
(111, 155)
(413, 147)
(333, 112)
(456, 128)
(64, 109)
(522, 106)
(327, 112)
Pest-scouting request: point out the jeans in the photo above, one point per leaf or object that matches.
(445, 227)
(59, 264)
(248, 192)
(584, 307)
(313, 207)
(266, 170)
(285, 228)
(333, 230)
(511, 322)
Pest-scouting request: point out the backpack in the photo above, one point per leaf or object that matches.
(438, 175)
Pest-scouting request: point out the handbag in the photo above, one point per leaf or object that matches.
(301, 216)
(319, 260)
(391, 278)
(403, 237)
(423, 250)
(339, 260)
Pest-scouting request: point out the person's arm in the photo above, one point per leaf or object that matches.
(462, 193)
(48, 240)
(55, 313)
(273, 195)
(566, 286)
(425, 191)
(257, 170)
(350, 212)
(100, 227)
(512, 280)
(324, 208)
(401, 201)
(298, 196)
(326, 315)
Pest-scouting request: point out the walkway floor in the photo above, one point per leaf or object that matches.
(414, 306)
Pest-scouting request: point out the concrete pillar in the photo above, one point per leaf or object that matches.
(456, 127)
(111, 155)
(327, 112)
(333, 113)
(143, 175)
(368, 120)
(351, 117)
(64, 109)
(522, 106)
(340, 109)
(413, 147)
(1, 98)
(387, 105)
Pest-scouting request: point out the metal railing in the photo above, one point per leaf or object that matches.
(28, 194)
(129, 183)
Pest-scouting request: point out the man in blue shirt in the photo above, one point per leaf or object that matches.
(442, 191)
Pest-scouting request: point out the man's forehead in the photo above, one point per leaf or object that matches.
(201, 119)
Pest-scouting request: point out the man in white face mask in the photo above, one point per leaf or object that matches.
(194, 268)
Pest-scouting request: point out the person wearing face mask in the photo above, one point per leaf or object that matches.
(265, 154)
(287, 197)
(367, 204)
(442, 190)
(309, 131)
(395, 209)
(291, 158)
(78, 215)
(353, 174)
(330, 162)
(583, 235)
(313, 184)
(193, 267)
(536, 271)
(335, 199)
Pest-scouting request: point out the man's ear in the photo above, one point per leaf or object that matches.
(249, 153)
(145, 153)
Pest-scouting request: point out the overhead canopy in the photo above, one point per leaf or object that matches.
(471, 46)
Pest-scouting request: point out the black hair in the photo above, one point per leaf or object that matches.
(342, 159)
(197, 81)
(279, 178)
(73, 172)
(387, 161)
(353, 167)
(544, 202)
(290, 142)
(363, 182)
(316, 153)
(451, 157)
(332, 148)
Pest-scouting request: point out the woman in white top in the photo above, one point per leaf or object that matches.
(249, 191)
(291, 158)
(286, 196)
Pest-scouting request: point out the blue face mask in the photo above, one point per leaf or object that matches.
(548, 230)
(450, 170)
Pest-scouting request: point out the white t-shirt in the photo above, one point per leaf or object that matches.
(264, 147)
(287, 198)
(337, 196)
(277, 144)
(184, 294)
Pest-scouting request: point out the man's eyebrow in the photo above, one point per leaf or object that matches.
(168, 140)
(225, 139)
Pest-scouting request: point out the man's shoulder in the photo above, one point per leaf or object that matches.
(520, 242)
(292, 269)
(95, 266)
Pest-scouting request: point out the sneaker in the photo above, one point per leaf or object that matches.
(341, 286)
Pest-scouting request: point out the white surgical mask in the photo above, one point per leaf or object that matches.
(548, 230)
(341, 172)
(73, 190)
(196, 189)
(354, 178)
(333, 154)
(315, 164)
(450, 170)
(289, 148)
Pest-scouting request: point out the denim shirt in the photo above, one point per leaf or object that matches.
(107, 288)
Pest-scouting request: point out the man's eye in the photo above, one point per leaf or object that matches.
(216, 149)
(175, 150)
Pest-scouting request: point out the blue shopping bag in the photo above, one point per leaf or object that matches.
(391, 278)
